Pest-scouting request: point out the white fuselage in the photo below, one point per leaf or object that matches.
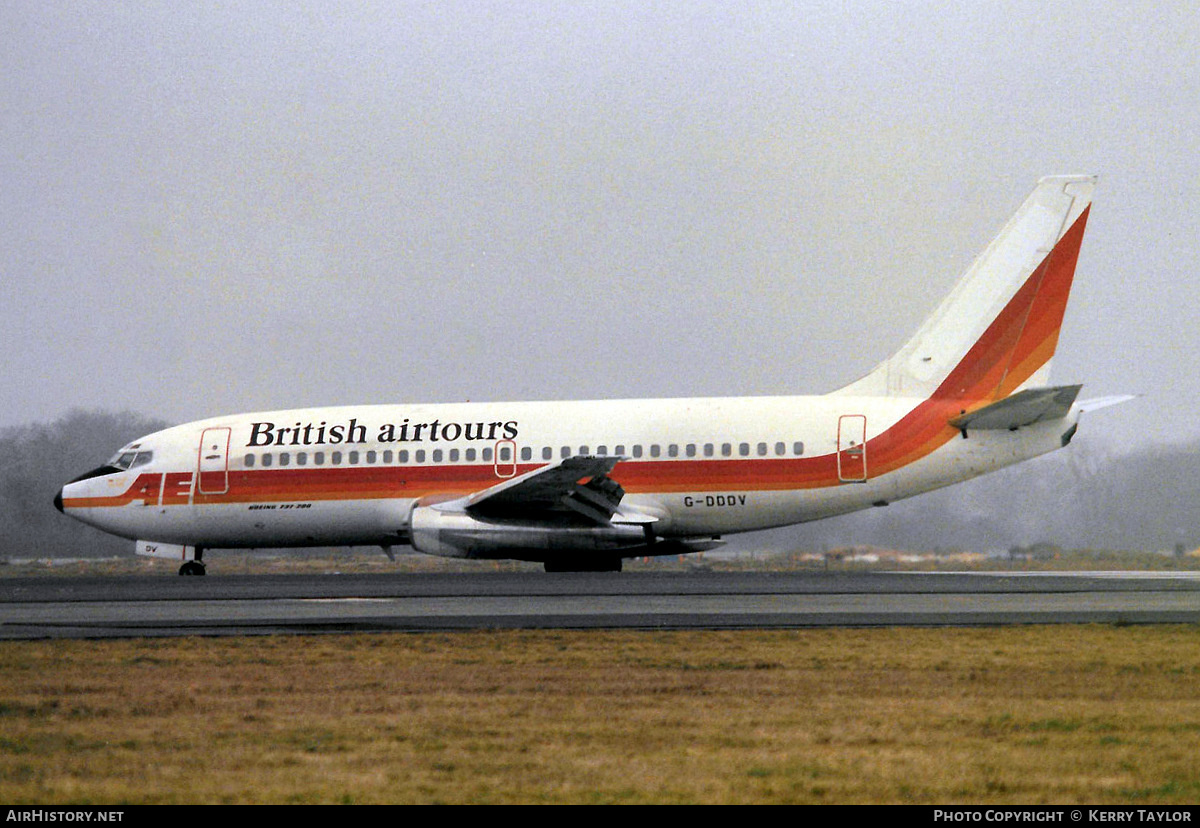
(700, 467)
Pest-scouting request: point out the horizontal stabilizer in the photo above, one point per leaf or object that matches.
(1096, 403)
(1021, 409)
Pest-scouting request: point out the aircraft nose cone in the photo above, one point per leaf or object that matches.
(58, 500)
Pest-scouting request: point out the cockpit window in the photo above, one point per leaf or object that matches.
(125, 460)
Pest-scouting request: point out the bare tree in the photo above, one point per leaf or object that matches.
(36, 460)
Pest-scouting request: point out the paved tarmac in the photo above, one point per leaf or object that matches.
(160, 605)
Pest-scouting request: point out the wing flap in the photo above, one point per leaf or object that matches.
(578, 485)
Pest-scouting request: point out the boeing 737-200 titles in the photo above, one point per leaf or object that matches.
(581, 485)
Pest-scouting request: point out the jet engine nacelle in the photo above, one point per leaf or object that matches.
(452, 532)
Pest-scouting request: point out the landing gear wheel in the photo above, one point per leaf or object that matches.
(192, 568)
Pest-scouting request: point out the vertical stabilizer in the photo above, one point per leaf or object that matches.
(997, 330)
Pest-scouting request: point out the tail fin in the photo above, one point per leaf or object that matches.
(997, 330)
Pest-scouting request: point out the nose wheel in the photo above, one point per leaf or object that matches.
(195, 566)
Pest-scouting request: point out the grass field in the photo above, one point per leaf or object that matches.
(1067, 714)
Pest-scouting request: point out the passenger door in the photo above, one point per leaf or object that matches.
(213, 461)
(852, 448)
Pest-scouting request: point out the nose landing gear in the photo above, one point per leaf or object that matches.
(194, 566)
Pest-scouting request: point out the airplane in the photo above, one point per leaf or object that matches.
(579, 486)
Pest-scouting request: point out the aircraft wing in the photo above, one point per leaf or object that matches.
(579, 485)
(1021, 409)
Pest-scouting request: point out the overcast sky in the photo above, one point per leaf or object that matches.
(209, 208)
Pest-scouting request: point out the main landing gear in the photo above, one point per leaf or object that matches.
(194, 566)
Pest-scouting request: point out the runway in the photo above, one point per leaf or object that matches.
(139, 606)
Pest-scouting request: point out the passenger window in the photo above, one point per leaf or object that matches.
(335, 457)
(301, 458)
(505, 454)
(691, 450)
(371, 456)
(655, 451)
(266, 460)
(798, 448)
(284, 458)
(708, 449)
(762, 449)
(453, 455)
(547, 453)
(402, 456)
(526, 453)
(744, 449)
(619, 451)
(672, 450)
(437, 455)
(248, 461)
(487, 455)
(353, 458)
(584, 450)
(387, 457)
(726, 449)
(780, 449)
(470, 455)
(319, 458)
(419, 455)
(637, 450)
